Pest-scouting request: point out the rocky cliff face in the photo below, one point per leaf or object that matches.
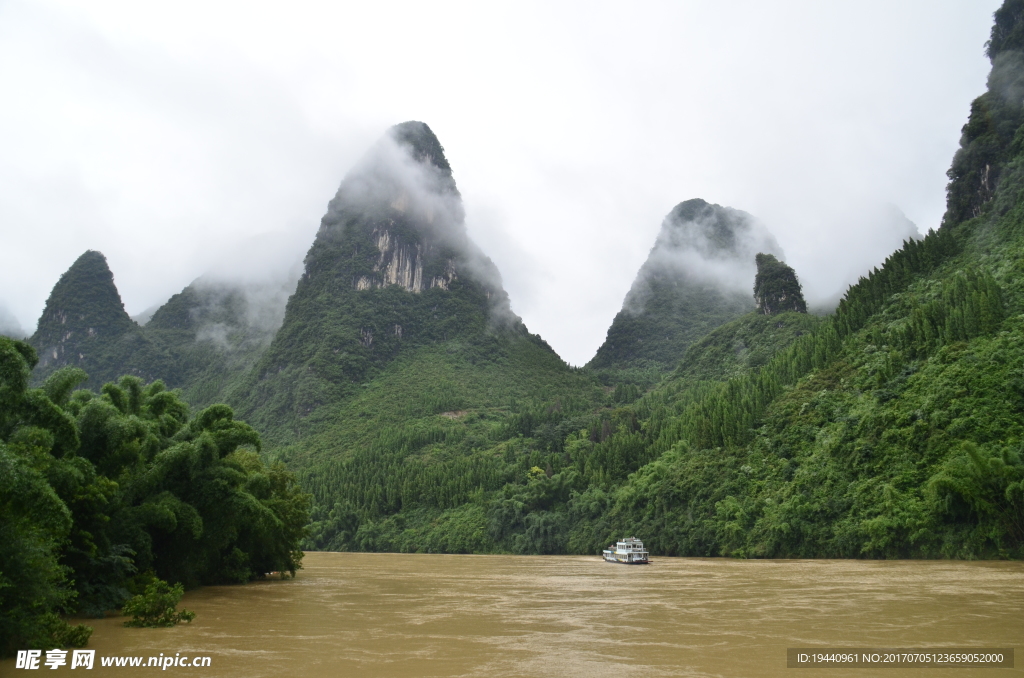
(398, 220)
(402, 264)
(697, 277)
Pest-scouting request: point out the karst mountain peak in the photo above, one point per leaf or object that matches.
(399, 210)
(696, 277)
(391, 270)
(83, 308)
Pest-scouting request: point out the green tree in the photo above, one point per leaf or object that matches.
(34, 521)
(157, 606)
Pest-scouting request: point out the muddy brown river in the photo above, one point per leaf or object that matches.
(368, 615)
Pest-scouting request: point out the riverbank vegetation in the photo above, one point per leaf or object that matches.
(104, 494)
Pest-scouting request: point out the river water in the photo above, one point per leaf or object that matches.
(368, 615)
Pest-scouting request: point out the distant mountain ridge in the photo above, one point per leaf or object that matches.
(391, 270)
(203, 333)
(694, 279)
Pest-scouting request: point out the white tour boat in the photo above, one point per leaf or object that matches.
(630, 551)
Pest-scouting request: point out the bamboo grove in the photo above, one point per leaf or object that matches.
(105, 493)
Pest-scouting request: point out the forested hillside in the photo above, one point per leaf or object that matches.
(889, 429)
(214, 333)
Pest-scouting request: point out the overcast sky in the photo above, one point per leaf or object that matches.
(162, 133)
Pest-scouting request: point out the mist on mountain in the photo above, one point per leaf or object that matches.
(259, 275)
(404, 184)
(390, 272)
(703, 244)
(856, 238)
(699, 274)
(9, 325)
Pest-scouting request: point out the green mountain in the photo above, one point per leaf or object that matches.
(198, 341)
(400, 367)
(84, 311)
(84, 325)
(215, 332)
(699, 274)
(391, 272)
(891, 428)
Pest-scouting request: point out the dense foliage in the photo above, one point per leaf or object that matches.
(443, 453)
(746, 343)
(157, 606)
(857, 435)
(103, 492)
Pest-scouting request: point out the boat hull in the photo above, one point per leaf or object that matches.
(621, 560)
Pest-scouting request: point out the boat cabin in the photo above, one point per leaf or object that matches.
(629, 550)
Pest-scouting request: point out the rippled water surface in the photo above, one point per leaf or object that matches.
(437, 615)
